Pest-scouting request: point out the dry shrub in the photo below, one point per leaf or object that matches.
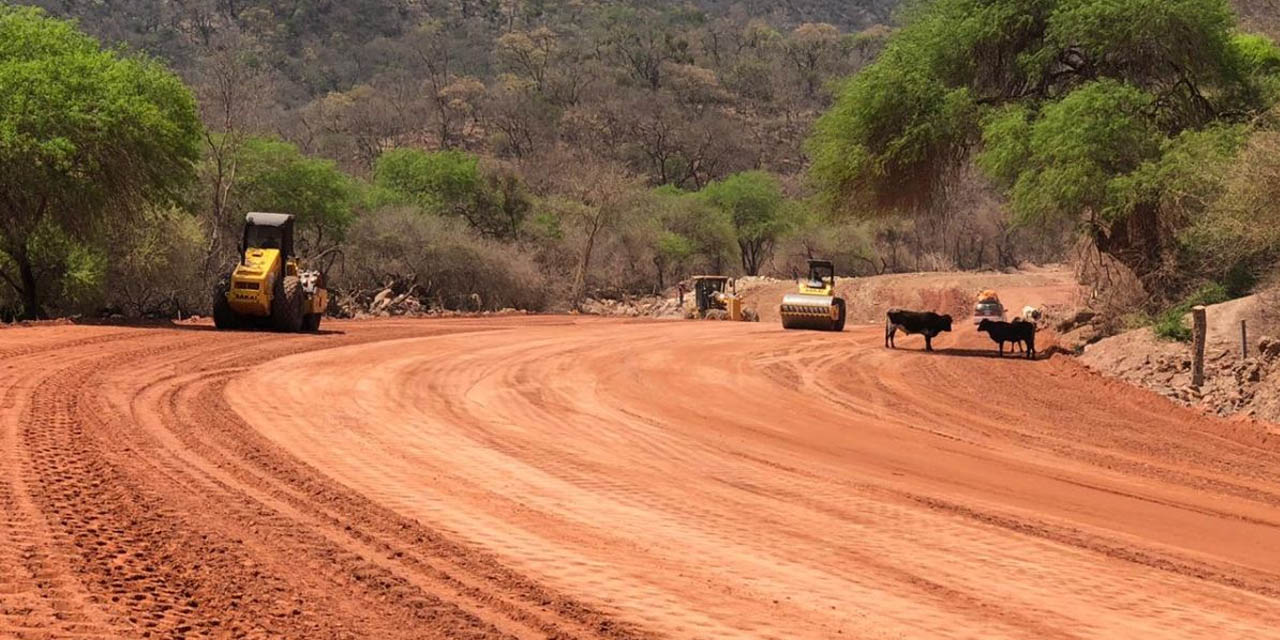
(1110, 288)
(1261, 16)
(440, 261)
(936, 261)
(1238, 237)
(1269, 306)
(847, 244)
(153, 266)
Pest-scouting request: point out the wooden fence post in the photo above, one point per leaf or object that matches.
(1244, 340)
(1200, 328)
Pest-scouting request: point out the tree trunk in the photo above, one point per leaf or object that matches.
(751, 250)
(1137, 243)
(580, 278)
(27, 278)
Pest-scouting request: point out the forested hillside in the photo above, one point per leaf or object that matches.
(532, 135)
(680, 94)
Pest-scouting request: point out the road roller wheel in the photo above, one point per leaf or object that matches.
(311, 322)
(286, 306)
(224, 317)
(839, 325)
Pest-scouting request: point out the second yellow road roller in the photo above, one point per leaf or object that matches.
(815, 305)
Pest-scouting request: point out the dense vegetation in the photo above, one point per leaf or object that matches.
(536, 153)
(88, 141)
(1132, 121)
(563, 145)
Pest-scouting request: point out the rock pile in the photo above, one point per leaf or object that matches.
(1075, 329)
(1232, 385)
(646, 307)
(387, 303)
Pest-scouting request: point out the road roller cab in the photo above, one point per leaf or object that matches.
(815, 305)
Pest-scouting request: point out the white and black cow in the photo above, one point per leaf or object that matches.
(926, 323)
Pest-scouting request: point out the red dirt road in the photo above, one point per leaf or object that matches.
(560, 477)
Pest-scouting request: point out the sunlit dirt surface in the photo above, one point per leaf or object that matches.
(537, 477)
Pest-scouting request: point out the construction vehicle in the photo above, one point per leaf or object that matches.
(716, 298)
(269, 288)
(815, 305)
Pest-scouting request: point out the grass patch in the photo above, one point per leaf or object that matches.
(1172, 323)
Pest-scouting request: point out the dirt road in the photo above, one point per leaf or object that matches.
(561, 477)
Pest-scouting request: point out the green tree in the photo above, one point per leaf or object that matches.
(760, 214)
(1065, 101)
(689, 233)
(275, 176)
(86, 135)
(492, 200)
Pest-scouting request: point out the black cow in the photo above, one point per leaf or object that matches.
(1019, 333)
(1017, 345)
(927, 323)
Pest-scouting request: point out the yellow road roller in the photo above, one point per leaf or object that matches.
(815, 305)
(269, 288)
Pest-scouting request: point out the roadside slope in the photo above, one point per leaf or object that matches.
(1236, 384)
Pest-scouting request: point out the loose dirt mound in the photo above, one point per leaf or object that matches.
(1234, 383)
(642, 307)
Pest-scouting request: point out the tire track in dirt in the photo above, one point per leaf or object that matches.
(166, 516)
(449, 569)
(729, 480)
(38, 595)
(553, 477)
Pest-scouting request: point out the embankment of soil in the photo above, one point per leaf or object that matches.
(1237, 382)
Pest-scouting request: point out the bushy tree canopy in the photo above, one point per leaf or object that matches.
(84, 134)
(692, 232)
(491, 200)
(1067, 101)
(275, 176)
(759, 213)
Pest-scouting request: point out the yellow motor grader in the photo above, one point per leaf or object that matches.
(815, 305)
(714, 299)
(269, 288)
